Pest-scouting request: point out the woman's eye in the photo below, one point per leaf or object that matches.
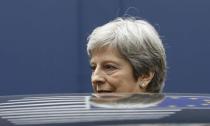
(110, 67)
(93, 68)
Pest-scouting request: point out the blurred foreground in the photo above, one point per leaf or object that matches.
(105, 109)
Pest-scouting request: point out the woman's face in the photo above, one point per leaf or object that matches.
(112, 73)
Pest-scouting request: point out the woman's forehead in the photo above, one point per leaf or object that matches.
(107, 53)
(106, 50)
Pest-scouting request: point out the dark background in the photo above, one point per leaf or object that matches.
(43, 42)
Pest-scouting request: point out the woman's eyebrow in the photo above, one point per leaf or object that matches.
(91, 61)
(112, 62)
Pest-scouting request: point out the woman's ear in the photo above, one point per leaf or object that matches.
(145, 79)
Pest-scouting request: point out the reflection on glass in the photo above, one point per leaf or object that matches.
(122, 100)
(105, 109)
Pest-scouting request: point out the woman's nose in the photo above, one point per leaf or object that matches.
(98, 77)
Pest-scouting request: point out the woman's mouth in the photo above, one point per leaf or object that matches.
(104, 91)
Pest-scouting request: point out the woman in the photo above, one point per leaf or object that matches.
(126, 55)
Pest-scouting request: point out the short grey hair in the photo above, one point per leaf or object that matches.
(138, 42)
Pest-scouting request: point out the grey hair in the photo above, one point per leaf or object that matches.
(138, 42)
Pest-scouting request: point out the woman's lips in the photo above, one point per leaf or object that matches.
(104, 91)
